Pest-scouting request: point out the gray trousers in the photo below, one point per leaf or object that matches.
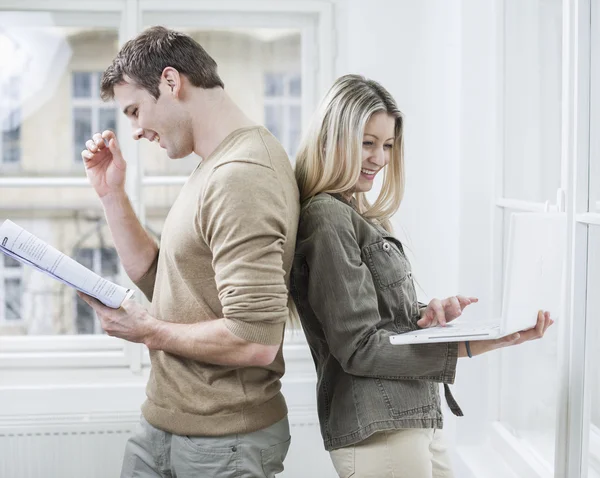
(153, 453)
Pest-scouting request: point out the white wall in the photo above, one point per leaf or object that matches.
(480, 147)
(413, 50)
(439, 61)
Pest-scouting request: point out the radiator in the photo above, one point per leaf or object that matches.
(69, 447)
(84, 446)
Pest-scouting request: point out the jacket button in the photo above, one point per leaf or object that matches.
(386, 246)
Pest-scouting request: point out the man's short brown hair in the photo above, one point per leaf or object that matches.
(144, 58)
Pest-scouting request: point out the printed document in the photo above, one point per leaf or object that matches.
(23, 246)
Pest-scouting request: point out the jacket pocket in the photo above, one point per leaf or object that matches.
(406, 399)
(388, 265)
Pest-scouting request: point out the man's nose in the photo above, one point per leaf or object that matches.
(138, 134)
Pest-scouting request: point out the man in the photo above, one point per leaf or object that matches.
(218, 283)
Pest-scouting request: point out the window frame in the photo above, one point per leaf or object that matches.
(61, 352)
(573, 405)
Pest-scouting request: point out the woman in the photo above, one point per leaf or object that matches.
(379, 405)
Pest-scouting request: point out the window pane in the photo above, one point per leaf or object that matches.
(295, 129)
(85, 317)
(274, 84)
(157, 202)
(107, 119)
(9, 262)
(11, 138)
(72, 221)
(593, 319)
(274, 121)
(82, 84)
(295, 85)
(110, 263)
(85, 256)
(58, 89)
(12, 298)
(254, 65)
(532, 104)
(529, 385)
(82, 129)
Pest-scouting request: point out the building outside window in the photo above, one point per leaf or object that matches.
(10, 127)
(283, 108)
(104, 261)
(11, 290)
(90, 113)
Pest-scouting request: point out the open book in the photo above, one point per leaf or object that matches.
(23, 246)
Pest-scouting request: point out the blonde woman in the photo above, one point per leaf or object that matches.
(379, 405)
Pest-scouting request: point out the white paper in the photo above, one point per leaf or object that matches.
(28, 249)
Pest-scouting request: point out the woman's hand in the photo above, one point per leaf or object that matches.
(440, 312)
(479, 347)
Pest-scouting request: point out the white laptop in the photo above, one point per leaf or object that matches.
(533, 281)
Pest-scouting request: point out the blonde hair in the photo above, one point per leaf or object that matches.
(330, 155)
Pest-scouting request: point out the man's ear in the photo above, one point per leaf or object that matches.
(172, 79)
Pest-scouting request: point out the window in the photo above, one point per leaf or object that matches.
(11, 290)
(593, 254)
(283, 114)
(531, 176)
(539, 113)
(10, 137)
(593, 312)
(52, 198)
(90, 113)
(103, 261)
(532, 99)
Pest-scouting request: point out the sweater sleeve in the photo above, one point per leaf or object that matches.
(243, 221)
(147, 281)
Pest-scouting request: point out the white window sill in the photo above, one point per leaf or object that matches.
(73, 351)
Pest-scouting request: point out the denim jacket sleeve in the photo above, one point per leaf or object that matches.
(342, 295)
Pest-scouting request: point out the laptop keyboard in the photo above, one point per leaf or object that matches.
(466, 328)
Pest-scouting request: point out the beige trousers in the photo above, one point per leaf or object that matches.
(406, 453)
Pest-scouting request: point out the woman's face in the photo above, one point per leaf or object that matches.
(377, 146)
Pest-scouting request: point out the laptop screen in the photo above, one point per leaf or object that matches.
(533, 278)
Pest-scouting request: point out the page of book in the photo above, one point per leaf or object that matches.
(32, 251)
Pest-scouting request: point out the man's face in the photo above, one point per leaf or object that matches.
(162, 120)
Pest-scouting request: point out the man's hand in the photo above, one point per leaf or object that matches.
(131, 321)
(207, 341)
(440, 312)
(104, 165)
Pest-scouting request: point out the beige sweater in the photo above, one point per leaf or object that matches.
(226, 251)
